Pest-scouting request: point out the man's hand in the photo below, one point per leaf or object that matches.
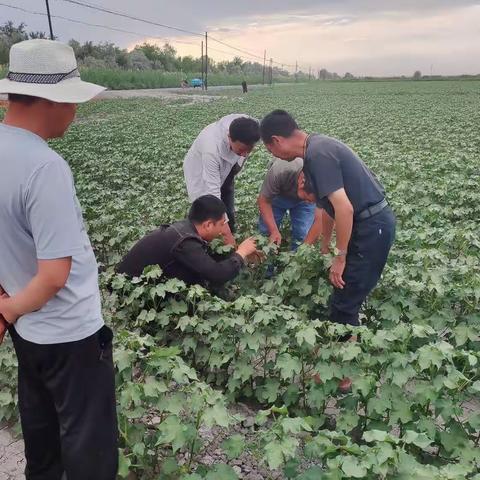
(336, 271)
(276, 238)
(6, 311)
(325, 249)
(247, 247)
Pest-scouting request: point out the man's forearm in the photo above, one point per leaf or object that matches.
(316, 228)
(327, 229)
(266, 212)
(33, 297)
(50, 278)
(344, 225)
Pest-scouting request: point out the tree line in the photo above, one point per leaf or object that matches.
(146, 56)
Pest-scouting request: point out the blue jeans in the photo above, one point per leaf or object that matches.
(302, 215)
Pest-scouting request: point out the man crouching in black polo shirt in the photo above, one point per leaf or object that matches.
(181, 249)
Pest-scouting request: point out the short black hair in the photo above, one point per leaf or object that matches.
(277, 123)
(206, 207)
(245, 130)
(19, 98)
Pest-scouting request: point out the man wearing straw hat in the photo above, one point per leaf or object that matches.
(50, 299)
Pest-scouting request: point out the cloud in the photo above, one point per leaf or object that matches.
(370, 43)
(366, 36)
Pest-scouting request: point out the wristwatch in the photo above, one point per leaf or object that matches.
(339, 253)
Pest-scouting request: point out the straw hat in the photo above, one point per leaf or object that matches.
(47, 69)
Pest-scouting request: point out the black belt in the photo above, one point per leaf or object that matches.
(371, 211)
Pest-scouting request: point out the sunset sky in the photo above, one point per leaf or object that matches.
(365, 37)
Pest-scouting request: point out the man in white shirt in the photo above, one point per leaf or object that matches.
(215, 157)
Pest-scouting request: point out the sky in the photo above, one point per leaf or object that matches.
(364, 37)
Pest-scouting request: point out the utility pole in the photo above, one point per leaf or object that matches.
(206, 60)
(296, 70)
(49, 20)
(264, 65)
(203, 70)
(309, 73)
(271, 71)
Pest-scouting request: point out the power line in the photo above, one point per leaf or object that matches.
(249, 53)
(131, 17)
(124, 15)
(113, 29)
(235, 48)
(138, 19)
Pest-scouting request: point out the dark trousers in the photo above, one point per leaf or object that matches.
(227, 194)
(66, 395)
(366, 258)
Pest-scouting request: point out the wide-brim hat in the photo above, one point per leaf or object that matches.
(47, 69)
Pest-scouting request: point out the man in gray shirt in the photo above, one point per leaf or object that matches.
(340, 182)
(48, 276)
(279, 196)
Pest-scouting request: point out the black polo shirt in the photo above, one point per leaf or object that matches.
(181, 253)
(330, 165)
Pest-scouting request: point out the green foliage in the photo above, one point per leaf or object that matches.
(183, 355)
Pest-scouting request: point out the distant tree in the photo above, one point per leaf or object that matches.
(77, 48)
(348, 76)
(139, 60)
(9, 35)
(143, 57)
(122, 59)
(39, 34)
(168, 58)
(417, 75)
(92, 62)
(190, 64)
(13, 34)
(4, 49)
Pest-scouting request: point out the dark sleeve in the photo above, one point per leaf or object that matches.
(325, 174)
(191, 253)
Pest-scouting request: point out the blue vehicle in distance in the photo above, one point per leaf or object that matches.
(196, 82)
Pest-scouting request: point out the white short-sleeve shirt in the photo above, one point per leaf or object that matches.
(210, 159)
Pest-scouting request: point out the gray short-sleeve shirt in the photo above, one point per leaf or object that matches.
(41, 219)
(282, 179)
(330, 165)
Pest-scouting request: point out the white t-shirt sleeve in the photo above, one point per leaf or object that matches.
(53, 214)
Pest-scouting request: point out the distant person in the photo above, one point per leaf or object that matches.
(351, 195)
(49, 277)
(244, 86)
(279, 196)
(181, 249)
(184, 83)
(216, 157)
